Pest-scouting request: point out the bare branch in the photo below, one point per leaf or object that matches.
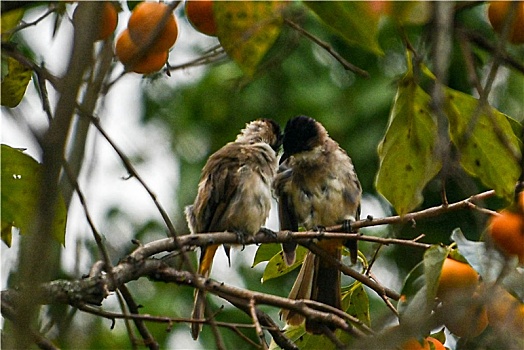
(140, 263)
(36, 246)
(52, 8)
(149, 340)
(258, 328)
(347, 65)
(132, 171)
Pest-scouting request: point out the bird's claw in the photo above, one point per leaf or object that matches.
(319, 229)
(268, 232)
(346, 226)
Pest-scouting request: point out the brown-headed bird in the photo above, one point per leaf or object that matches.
(317, 187)
(234, 194)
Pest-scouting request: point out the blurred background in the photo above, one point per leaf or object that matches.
(169, 125)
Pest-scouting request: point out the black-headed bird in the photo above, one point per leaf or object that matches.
(234, 194)
(317, 187)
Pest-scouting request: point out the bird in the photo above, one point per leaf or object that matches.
(234, 194)
(316, 186)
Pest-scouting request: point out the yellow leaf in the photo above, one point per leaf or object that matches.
(9, 20)
(7, 233)
(14, 83)
(248, 29)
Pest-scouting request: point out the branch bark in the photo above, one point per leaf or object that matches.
(36, 247)
(142, 263)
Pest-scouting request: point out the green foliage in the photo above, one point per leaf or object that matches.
(489, 263)
(420, 286)
(277, 267)
(15, 78)
(485, 141)
(484, 138)
(349, 19)
(407, 153)
(9, 20)
(354, 301)
(20, 193)
(277, 73)
(265, 252)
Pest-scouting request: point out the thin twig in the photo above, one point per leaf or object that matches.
(347, 65)
(483, 104)
(388, 302)
(382, 291)
(132, 171)
(127, 321)
(333, 338)
(34, 264)
(469, 60)
(483, 43)
(52, 8)
(214, 54)
(422, 214)
(8, 311)
(145, 47)
(149, 340)
(123, 294)
(258, 328)
(12, 51)
(96, 235)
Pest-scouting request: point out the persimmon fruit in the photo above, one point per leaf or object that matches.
(498, 15)
(507, 232)
(109, 21)
(414, 344)
(127, 52)
(379, 8)
(505, 312)
(467, 320)
(200, 15)
(143, 24)
(456, 278)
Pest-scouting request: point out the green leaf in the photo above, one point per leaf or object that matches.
(350, 19)
(411, 12)
(265, 252)
(412, 285)
(472, 252)
(487, 262)
(298, 335)
(482, 152)
(420, 287)
(407, 158)
(516, 126)
(277, 267)
(7, 233)
(307, 341)
(132, 4)
(20, 175)
(247, 30)
(440, 336)
(10, 20)
(433, 260)
(14, 83)
(356, 302)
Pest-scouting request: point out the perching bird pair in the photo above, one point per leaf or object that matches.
(316, 187)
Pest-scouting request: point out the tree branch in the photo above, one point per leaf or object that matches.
(141, 263)
(347, 65)
(36, 246)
